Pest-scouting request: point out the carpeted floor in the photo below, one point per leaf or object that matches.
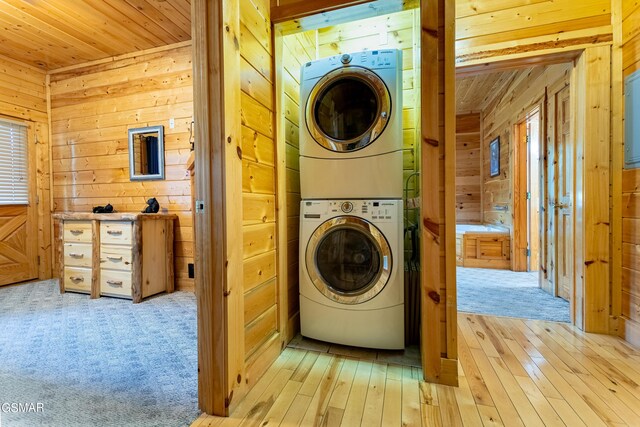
(103, 362)
(507, 293)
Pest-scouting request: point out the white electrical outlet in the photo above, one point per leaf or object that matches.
(172, 123)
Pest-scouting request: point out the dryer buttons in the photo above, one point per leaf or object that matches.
(346, 207)
(346, 58)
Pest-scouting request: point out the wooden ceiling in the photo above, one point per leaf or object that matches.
(475, 93)
(52, 34)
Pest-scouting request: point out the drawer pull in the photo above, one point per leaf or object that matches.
(77, 279)
(76, 231)
(114, 232)
(114, 282)
(74, 255)
(114, 258)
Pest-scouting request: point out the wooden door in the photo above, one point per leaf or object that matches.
(562, 204)
(533, 191)
(19, 233)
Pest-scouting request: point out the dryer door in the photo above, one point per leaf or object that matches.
(348, 109)
(348, 260)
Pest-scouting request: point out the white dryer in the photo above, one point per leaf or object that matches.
(351, 126)
(351, 272)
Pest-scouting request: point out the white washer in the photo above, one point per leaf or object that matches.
(351, 272)
(351, 126)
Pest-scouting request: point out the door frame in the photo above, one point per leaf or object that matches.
(218, 155)
(591, 104)
(519, 187)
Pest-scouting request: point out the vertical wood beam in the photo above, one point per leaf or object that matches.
(593, 175)
(617, 154)
(450, 181)
(218, 227)
(431, 110)
(437, 93)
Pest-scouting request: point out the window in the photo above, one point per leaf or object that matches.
(13, 164)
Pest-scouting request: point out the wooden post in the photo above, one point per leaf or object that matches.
(438, 295)
(218, 225)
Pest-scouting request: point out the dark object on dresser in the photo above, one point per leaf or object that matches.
(153, 206)
(103, 209)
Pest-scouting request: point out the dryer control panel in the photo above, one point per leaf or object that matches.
(371, 210)
(373, 59)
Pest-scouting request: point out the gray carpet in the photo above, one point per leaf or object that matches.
(507, 293)
(103, 362)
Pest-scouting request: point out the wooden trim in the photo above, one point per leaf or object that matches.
(120, 57)
(494, 65)
(215, 35)
(95, 259)
(301, 8)
(430, 176)
(281, 191)
(519, 188)
(617, 160)
(450, 369)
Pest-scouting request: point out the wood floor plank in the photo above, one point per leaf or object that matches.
(392, 409)
(511, 372)
(449, 410)
(465, 402)
(375, 396)
(296, 411)
(320, 401)
(475, 378)
(310, 384)
(489, 416)
(410, 398)
(357, 396)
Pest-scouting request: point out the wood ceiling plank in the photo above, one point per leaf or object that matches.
(142, 13)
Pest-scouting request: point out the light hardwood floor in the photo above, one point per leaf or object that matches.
(513, 372)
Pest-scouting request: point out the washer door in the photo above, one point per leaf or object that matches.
(348, 260)
(348, 109)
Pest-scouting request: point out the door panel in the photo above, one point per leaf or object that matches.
(19, 231)
(564, 203)
(18, 252)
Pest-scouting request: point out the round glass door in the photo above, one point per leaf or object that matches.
(348, 260)
(348, 109)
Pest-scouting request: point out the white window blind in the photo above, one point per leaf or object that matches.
(13, 164)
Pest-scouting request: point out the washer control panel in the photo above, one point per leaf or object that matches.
(372, 210)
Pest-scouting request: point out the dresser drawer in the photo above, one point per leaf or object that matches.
(77, 254)
(77, 279)
(77, 231)
(114, 282)
(115, 257)
(116, 232)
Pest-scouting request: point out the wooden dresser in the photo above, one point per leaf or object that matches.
(126, 255)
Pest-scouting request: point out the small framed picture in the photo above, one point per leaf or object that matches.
(494, 152)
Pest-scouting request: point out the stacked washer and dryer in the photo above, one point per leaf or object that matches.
(351, 213)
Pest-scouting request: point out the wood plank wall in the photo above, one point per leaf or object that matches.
(500, 29)
(631, 189)
(297, 49)
(521, 96)
(23, 96)
(468, 169)
(93, 106)
(258, 182)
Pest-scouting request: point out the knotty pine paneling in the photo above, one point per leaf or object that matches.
(23, 96)
(297, 49)
(92, 107)
(490, 28)
(524, 93)
(258, 176)
(468, 160)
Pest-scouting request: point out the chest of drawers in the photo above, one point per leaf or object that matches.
(126, 255)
